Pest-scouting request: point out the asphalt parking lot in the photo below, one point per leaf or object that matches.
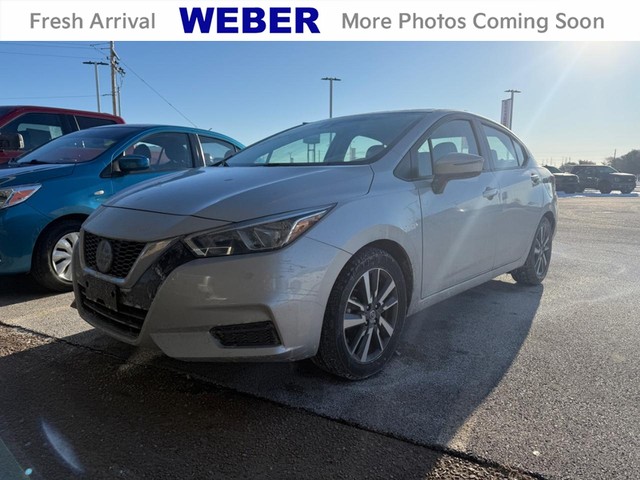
(496, 382)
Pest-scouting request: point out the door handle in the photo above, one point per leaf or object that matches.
(489, 193)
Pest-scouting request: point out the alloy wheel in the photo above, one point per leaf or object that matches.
(370, 315)
(542, 250)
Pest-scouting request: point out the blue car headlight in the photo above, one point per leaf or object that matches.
(268, 234)
(11, 196)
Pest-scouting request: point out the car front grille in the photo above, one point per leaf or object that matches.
(125, 254)
(129, 313)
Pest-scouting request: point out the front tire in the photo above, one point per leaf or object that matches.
(51, 264)
(536, 267)
(605, 188)
(364, 317)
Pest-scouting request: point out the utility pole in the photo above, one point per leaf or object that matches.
(113, 61)
(331, 80)
(95, 66)
(511, 91)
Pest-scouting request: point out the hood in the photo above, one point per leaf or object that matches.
(235, 194)
(622, 175)
(28, 174)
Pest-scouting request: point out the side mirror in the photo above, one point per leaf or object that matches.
(11, 141)
(133, 163)
(455, 166)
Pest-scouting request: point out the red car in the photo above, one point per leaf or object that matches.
(38, 125)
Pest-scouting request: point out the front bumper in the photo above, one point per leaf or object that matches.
(20, 227)
(286, 290)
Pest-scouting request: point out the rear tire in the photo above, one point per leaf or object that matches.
(364, 317)
(51, 264)
(536, 267)
(626, 191)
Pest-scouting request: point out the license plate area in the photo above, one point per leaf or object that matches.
(101, 292)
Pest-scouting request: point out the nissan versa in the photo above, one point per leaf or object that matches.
(47, 193)
(318, 241)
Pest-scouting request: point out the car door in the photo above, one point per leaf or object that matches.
(167, 152)
(458, 223)
(521, 195)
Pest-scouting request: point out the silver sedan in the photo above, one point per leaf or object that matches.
(318, 241)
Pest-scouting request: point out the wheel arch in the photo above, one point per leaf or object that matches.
(54, 223)
(552, 219)
(400, 255)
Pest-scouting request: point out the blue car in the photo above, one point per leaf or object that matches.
(46, 194)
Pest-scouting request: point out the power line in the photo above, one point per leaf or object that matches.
(43, 55)
(46, 45)
(159, 94)
(38, 98)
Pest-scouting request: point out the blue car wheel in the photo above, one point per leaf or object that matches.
(51, 264)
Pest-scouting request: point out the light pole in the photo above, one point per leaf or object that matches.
(512, 91)
(331, 80)
(95, 66)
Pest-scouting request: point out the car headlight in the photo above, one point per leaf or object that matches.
(11, 196)
(251, 237)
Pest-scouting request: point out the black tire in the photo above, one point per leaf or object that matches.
(43, 269)
(604, 188)
(536, 267)
(569, 190)
(580, 190)
(626, 191)
(368, 337)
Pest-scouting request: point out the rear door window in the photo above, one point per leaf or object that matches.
(215, 150)
(502, 148)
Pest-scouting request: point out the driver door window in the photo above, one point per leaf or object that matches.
(452, 137)
(165, 151)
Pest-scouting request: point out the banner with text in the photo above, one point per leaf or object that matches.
(322, 20)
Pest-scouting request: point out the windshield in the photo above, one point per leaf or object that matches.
(78, 147)
(607, 170)
(360, 139)
(553, 169)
